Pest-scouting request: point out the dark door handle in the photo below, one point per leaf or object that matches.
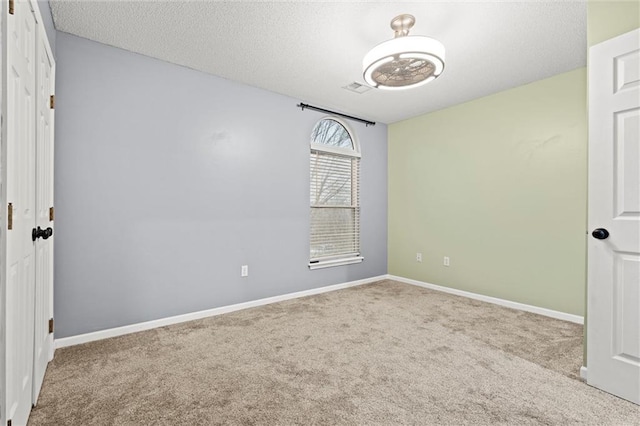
(46, 233)
(600, 233)
(41, 233)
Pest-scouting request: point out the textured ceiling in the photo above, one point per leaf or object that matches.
(310, 50)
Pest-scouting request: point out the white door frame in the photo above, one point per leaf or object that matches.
(3, 209)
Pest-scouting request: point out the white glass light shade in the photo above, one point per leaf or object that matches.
(403, 62)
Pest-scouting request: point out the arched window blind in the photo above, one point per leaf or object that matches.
(334, 196)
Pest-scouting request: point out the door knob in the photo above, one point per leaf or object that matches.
(41, 233)
(46, 233)
(600, 233)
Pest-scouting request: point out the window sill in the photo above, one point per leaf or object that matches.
(335, 262)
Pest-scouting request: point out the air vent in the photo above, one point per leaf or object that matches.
(357, 87)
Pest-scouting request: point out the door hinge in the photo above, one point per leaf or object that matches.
(10, 217)
(9, 422)
(11, 11)
(52, 101)
(51, 214)
(51, 326)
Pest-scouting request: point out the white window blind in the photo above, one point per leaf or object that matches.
(335, 209)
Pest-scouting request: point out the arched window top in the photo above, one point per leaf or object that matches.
(332, 135)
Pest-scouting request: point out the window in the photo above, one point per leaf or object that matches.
(335, 200)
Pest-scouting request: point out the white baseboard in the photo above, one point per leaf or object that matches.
(507, 303)
(148, 325)
(583, 373)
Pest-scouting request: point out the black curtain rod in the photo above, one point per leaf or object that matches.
(350, 117)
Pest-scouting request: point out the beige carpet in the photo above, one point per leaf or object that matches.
(385, 353)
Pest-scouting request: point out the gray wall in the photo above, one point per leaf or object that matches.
(168, 180)
(47, 19)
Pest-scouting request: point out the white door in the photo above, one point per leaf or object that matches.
(43, 349)
(613, 326)
(20, 119)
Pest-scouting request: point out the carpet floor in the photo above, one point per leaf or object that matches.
(383, 353)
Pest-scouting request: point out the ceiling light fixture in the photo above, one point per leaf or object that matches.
(405, 61)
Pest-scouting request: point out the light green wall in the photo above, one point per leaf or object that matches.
(607, 19)
(498, 184)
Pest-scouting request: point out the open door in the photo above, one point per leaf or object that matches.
(28, 76)
(20, 130)
(613, 326)
(43, 333)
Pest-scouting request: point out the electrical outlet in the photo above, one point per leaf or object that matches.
(244, 271)
(418, 257)
(446, 261)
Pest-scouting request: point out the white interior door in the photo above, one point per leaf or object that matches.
(20, 119)
(43, 344)
(613, 326)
